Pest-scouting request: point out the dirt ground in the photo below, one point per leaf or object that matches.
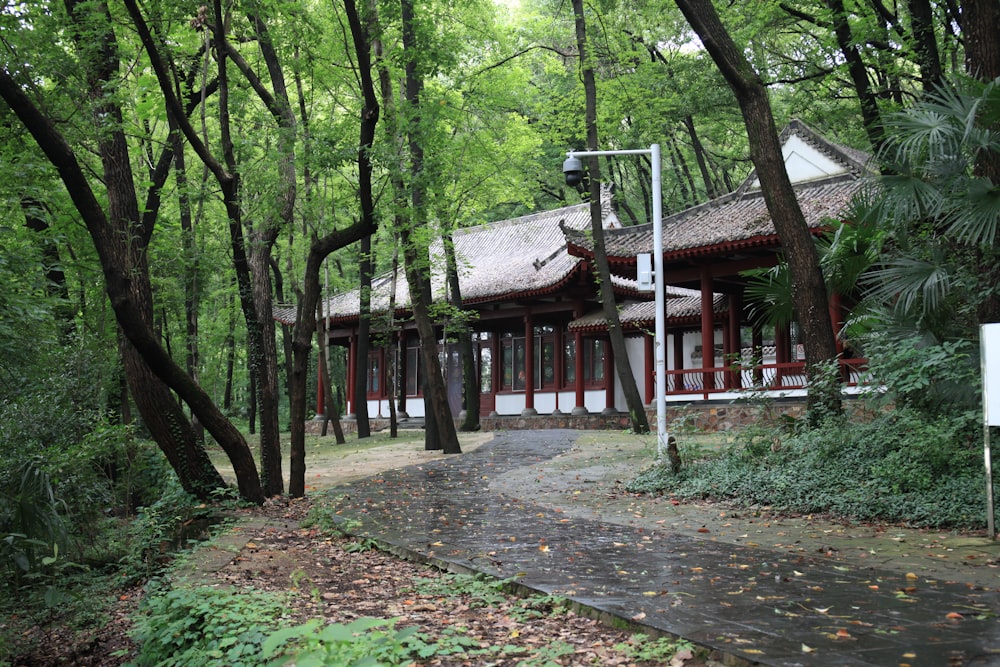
(327, 577)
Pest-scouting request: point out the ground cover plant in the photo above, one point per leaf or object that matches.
(898, 467)
(909, 452)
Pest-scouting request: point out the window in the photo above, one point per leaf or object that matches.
(593, 360)
(594, 357)
(374, 381)
(569, 360)
(484, 348)
(545, 357)
(512, 352)
(413, 369)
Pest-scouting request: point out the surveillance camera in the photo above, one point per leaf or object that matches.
(573, 169)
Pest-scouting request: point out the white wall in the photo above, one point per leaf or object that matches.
(636, 348)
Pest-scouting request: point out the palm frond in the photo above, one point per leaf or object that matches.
(913, 286)
(977, 219)
(769, 295)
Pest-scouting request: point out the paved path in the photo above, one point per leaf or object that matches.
(760, 605)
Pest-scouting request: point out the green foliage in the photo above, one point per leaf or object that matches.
(941, 214)
(932, 378)
(361, 643)
(484, 591)
(640, 648)
(901, 466)
(203, 625)
(162, 528)
(31, 522)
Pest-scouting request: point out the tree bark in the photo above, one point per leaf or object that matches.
(870, 114)
(809, 290)
(329, 404)
(470, 383)
(416, 257)
(636, 409)
(321, 248)
(129, 292)
(364, 332)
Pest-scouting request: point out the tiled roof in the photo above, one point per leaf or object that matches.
(740, 220)
(737, 220)
(498, 261)
(682, 304)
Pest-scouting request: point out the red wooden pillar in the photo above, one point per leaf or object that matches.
(782, 351)
(609, 378)
(352, 369)
(529, 367)
(401, 375)
(758, 355)
(707, 330)
(837, 317)
(580, 408)
(678, 337)
(649, 369)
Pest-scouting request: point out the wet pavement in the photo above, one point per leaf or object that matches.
(746, 603)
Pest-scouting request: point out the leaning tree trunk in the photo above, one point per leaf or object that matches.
(636, 408)
(109, 234)
(809, 290)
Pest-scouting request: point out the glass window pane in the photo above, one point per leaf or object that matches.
(569, 360)
(508, 364)
(519, 364)
(598, 360)
(412, 371)
(548, 365)
(373, 373)
(485, 370)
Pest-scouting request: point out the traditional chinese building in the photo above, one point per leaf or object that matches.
(540, 338)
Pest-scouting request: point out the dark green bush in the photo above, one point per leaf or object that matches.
(902, 466)
(204, 625)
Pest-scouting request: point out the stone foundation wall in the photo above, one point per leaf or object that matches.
(699, 416)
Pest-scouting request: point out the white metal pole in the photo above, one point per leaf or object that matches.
(660, 333)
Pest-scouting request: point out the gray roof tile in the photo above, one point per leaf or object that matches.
(497, 261)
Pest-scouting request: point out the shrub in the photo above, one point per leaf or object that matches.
(198, 626)
(902, 466)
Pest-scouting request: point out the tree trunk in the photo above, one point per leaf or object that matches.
(190, 268)
(470, 383)
(701, 158)
(364, 332)
(321, 248)
(925, 43)
(636, 408)
(35, 219)
(416, 258)
(230, 346)
(120, 239)
(393, 374)
(809, 291)
(855, 66)
(329, 405)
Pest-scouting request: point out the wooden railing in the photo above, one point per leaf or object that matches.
(759, 377)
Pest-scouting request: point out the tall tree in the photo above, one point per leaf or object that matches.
(251, 260)
(441, 433)
(809, 292)
(636, 409)
(120, 236)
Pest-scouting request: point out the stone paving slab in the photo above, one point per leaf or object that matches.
(750, 604)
